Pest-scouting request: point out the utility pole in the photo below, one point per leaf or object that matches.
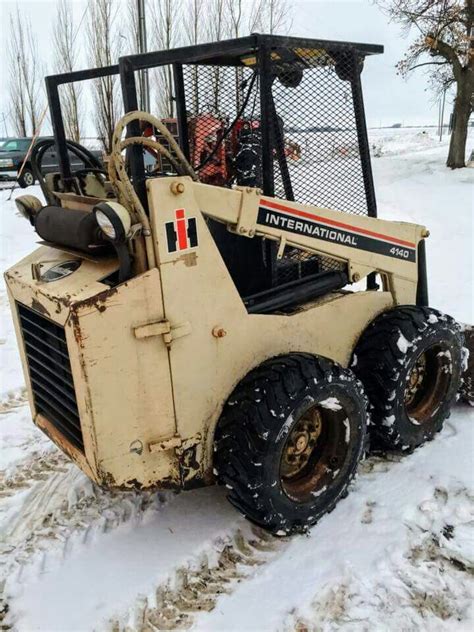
(142, 48)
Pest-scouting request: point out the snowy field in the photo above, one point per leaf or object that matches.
(397, 554)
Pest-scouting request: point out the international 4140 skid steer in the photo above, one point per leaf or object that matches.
(238, 313)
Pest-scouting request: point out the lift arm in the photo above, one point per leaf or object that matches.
(365, 244)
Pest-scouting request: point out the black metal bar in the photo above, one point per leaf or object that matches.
(203, 52)
(59, 133)
(192, 54)
(297, 293)
(285, 41)
(84, 75)
(181, 109)
(364, 149)
(264, 70)
(135, 152)
(422, 299)
(279, 144)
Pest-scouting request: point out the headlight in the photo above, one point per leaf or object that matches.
(6, 162)
(114, 220)
(105, 224)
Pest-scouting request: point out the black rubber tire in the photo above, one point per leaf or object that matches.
(383, 360)
(26, 179)
(256, 423)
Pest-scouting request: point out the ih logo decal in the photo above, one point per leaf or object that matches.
(182, 233)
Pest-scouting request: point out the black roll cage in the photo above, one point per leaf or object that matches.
(221, 53)
(217, 53)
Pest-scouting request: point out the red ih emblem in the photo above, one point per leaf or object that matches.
(182, 233)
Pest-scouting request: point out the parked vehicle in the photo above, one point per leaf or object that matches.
(12, 155)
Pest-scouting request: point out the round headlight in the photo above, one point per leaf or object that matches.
(114, 220)
(105, 224)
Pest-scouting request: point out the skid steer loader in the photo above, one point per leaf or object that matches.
(176, 333)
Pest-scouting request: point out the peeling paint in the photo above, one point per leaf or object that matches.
(39, 307)
(189, 259)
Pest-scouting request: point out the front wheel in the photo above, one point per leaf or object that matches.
(289, 441)
(410, 361)
(27, 179)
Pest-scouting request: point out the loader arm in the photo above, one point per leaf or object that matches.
(364, 244)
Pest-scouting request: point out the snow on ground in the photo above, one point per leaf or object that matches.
(397, 554)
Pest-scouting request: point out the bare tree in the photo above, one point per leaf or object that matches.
(105, 48)
(255, 16)
(65, 57)
(133, 33)
(275, 16)
(445, 46)
(166, 33)
(216, 30)
(193, 34)
(132, 27)
(235, 11)
(25, 75)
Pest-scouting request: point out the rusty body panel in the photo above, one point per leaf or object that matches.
(155, 358)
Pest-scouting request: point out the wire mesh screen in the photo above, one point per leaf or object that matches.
(309, 123)
(223, 110)
(314, 109)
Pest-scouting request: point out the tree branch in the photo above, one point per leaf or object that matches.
(446, 51)
(430, 63)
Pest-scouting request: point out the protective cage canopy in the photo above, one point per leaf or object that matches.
(281, 113)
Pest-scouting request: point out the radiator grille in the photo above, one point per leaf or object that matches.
(50, 373)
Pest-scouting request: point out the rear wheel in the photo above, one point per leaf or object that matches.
(289, 441)
(409, 360)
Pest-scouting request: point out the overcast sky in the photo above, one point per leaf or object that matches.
(389, 98)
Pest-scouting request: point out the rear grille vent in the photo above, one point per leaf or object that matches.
(50, 373)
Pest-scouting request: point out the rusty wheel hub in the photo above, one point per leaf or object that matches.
(415, 379)
(314, 453)
(427, 383)
(301, 443)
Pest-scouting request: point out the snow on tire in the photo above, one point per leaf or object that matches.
(289, 441)
(409, 360)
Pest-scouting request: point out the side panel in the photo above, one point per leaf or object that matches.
(124, 392)
(198, 290)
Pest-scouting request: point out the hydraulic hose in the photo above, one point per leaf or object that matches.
(120, 179)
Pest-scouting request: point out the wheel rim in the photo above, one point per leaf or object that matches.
(28, 178)
(427, 383)
(314, 452)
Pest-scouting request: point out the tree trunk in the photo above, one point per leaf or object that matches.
(462, 111)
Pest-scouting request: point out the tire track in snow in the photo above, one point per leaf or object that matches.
(45, 517)
(197, 587)
(428, 587)
(31, 470)
(12, 400)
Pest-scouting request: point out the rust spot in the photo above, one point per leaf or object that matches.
(56, 437)
(98, 301)
(190, 472)
(39, 307)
